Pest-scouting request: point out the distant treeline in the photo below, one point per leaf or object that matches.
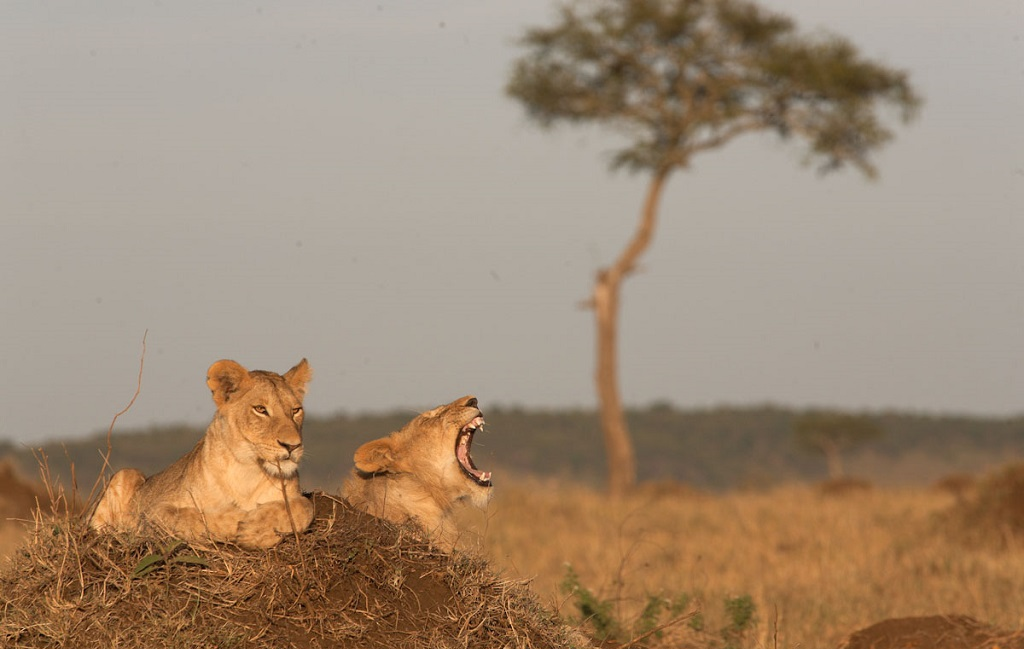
(719, 448)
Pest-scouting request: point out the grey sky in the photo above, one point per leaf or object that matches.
(346, 181)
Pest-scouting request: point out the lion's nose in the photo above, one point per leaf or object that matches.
(289, 447)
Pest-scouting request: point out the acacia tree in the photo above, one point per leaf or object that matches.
(681, 77)
(832, 433)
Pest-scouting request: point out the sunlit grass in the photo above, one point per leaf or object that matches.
(816, 566)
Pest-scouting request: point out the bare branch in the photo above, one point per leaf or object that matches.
(110, 431)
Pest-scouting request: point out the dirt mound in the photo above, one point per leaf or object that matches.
(18, 496)
(993, 515)
(933, 632)
(18, 501)
(843, 486)
(352, 580)
(959, 485)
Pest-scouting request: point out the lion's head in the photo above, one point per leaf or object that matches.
(263, 413)
(435, 448)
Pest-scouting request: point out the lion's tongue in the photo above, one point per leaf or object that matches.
(463, 455)
(462, 452)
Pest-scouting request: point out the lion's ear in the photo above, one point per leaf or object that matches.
(225, 378)
(298, 377)
(378, 456)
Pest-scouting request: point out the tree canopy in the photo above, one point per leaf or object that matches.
(831, 433)
(679, 77)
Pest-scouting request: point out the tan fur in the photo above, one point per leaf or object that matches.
(415, 474)
(240, 483)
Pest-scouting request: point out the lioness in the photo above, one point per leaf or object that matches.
(422, 470)
(240, 482)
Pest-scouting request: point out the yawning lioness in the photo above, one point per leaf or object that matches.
(419, 472)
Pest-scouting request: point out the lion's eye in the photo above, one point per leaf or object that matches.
(296, 412)
(260, 410)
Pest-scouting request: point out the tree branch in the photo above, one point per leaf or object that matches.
(110, 430)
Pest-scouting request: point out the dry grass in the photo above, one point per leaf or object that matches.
(817, 566)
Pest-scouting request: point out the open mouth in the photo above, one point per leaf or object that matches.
(463, 443)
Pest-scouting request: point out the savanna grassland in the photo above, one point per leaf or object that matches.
(810, 565)
(815, 566)
(749, 552)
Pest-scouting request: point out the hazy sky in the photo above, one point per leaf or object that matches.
(346, 182)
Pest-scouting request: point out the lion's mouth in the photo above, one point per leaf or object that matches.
(463, 443)
(284, 468)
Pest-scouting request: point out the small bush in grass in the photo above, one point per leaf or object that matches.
(740, 613)
(658, 613)
(592, 609)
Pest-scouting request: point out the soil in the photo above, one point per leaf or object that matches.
(933, 632)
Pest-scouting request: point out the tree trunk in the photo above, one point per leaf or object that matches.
(618, 443)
